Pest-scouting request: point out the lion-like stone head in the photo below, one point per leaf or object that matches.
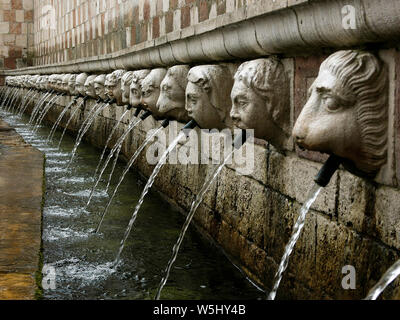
(150, 90)
(171, 102)
(260, 100)
(208, 96)
(347, 110)
(135, 88)
(113, 86)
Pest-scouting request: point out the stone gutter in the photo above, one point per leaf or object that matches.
(297, 27)
(21, 196)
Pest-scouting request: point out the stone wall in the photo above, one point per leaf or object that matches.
(87, 28)
(16, 33)
(353, 221)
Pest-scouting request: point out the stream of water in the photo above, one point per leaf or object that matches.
(83, 260)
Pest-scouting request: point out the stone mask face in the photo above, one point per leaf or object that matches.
(80, 84)
(171, 102)
(89, 87)
(151, 90)
(126, 81)
(64, 81)
(260, 100)
(71, 85)
(99, 87)
(113, 86)
(346, 113)
(208, 96)
(135, 88)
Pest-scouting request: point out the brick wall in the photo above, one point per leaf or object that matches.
(16, 33)
(85, 28)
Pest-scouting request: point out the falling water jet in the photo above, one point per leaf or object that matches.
(46, 110)
(189, 126)
(11, 100)
(60, 117)
(321, 181)
(116, 157)
(390, 275)
(27, 104)
(110, 136)
(120, 140)
(237, 144)
(23, 100)
(164, 124)
(71, 117)
(87, 126)
(36, 109)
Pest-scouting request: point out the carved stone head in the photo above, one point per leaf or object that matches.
(58, 82)
(151, 90)
(89, 86)
(99, 88)
(113, 86)
(260, 100)
(65, 81)
(347, 110)
(71, 85)
(126, 81)
(171, 102)
(52, 82)
(136, 87)
(208, 96)
(80, 83)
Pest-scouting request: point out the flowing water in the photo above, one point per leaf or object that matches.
(189, 217)
(89, 122)
(146, 189)
(60, 117)
(126, 170)
(293, 239)
(390, 275)
(134, 122)
(83, 259)
(117, 124)
(73, 113)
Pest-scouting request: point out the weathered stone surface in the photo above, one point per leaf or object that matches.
(388, 223)
(252, 216)
(21, 192)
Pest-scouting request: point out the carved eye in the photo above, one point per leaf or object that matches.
(330, 103)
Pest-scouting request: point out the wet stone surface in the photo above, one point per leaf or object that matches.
(21, 178)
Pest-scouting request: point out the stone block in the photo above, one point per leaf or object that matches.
(387, 218)
(294, 178)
